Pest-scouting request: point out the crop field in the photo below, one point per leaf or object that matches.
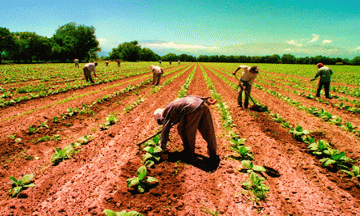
(73, 148)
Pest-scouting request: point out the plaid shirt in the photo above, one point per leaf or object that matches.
(176, 110)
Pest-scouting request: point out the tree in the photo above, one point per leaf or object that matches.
(6, 40)
(127, 51)
(147, 54)
(170, 57)
(288, 59)
(75, 41)
(356, 61)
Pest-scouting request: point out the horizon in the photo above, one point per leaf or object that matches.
(251, 28)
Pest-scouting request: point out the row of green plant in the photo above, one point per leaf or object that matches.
(321, 149)
(326, 116)
(255, 183)
(340, 106)
(184, 88)
(68, 151)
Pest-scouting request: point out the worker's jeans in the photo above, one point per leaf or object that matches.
(87, 74)
(199, 119)
(326, 88)
(247, 89)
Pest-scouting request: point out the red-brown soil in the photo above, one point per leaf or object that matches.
(94, 179)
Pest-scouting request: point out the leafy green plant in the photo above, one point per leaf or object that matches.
(32, 130)
(318, 148)
(256, 186)
(18, 185)
(248, 167)
(85, 139)
(55, 120)
(63, 154)
(356, 171)
(299, 132)
(243, 151)
(109, 212)
(337, 159)
(111, 120)
(151, 156)
(153, 142)
(141, 182)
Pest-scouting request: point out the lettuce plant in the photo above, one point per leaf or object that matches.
(111, 120)
(243, 151)
(141, 182)
(338, 159)
(318, 148)
(299, 132)
(18, 185)
(256, 186)
(152, 155)
(248, 166)
(62, 154)
(109, 212)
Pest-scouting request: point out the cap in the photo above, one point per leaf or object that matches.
(255, 68)
(320, 65)
(158, 114)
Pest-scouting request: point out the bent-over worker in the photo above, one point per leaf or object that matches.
(191, 113)
(157, 72)
(247, 78)
(88, 68)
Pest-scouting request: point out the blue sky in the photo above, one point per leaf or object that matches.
(252, 27)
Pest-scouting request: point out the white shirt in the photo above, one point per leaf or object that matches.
(247, 75)
(157, 69)
(90, 66)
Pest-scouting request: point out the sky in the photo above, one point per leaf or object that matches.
(196, 27)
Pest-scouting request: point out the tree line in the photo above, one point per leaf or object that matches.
(72, 41)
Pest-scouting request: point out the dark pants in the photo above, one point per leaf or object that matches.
(87, 74)
(326, 88)
(156, 78)
(200, 120)
(247, 89)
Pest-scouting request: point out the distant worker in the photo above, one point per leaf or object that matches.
(246, 80)
(170, 62)
(157, 72)
(178, 62)
(325, 74)
(107, 63)
(118, 62)
(88, 68)
(159, 61)
(76, 62)
(191, 113)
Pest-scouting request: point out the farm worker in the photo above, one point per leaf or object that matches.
(159, 61)
(76, 62)
(325, 74)
(178, 62)
(192, 113)
(157, 72)
(88, 68)
(170, 62)
(118, 62)
(247, 78)
(107, 63)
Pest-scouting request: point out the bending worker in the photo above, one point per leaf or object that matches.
(76, 62)
(247, 78)
(191, 113)
(325, 74)
(88, 68)
(157, 72)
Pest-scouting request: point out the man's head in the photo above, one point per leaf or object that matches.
(158, 115)
(320, 65)
(255, 69)
(95, 63)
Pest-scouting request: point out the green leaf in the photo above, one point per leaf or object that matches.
(122, 213)
(347, 172)
(156, 139)
(338, 156)
(14, 180)
(149, 163)
(30, 185)
(258, 168)
(327, 161)
(147, 156)
(133, 213)
(157, 149)
(152, 180)
(141, 189)
(109, 212)
(26, 179)
(132, 182)
(356, 170)
(16, 190)
(141, 172)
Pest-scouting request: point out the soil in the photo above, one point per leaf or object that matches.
(94, 179)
